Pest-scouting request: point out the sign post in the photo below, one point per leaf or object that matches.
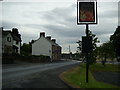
(87, 57)
(86, 14)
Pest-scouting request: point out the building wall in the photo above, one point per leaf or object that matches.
(56, 52)
(0, 42)
(17, 45)
(6, 45)
(42, 47)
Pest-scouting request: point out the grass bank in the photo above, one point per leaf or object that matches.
(77, 76)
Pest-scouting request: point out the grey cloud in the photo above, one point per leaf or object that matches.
(35, 26)
(109, 14)
(119, 13)
(102, 30)
(59, 14)
(9, 24)
(64, 31)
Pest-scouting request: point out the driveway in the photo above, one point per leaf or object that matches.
(36, 76)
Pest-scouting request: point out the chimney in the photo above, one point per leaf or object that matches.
(54, 40)
(42, 34)
(48, 37)
(1, 28)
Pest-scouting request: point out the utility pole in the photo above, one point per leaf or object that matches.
(69, 51)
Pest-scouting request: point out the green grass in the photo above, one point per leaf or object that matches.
(77, 77)
(106, 68)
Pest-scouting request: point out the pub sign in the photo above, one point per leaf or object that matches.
(86, 12)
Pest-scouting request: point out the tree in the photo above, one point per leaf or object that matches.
(115, 39)
(79, 42)
(106, 51)
(94, 46)
(26, 49)
(94, 40)
(15, 31)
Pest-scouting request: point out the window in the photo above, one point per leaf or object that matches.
(9, 39)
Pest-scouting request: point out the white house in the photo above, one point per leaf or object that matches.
(11, 42)
(46, 46)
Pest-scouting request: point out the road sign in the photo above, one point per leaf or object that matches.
(86, 44)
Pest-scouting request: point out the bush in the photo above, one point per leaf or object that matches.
(10, 58)
(7, 59)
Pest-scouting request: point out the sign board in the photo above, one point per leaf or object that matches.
(86, 44)
(86, 12)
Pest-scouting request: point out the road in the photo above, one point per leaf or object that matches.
(35, 75)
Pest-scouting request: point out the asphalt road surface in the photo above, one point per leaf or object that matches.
(35, 75)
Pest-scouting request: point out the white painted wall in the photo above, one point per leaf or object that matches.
(17, 45)
(5, 42)
(13, 42)
(42, 47)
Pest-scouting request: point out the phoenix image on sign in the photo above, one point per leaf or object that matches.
(86, 12)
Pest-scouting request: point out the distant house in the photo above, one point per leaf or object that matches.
(46, 46)
(11, 41)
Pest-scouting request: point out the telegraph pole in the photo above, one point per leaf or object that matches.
(69, 51)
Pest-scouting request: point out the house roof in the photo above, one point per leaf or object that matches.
(5, 33)
(53, 43)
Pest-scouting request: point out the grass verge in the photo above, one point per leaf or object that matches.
(76, 77)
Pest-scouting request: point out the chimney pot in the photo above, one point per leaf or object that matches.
(54, 40)
(48, 37)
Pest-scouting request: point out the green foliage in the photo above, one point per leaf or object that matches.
(26, 49)
(94, 41)
(92, 55)
(92, 58)
(80, 45)
(10, 58)
(115, 39)
(106, 51)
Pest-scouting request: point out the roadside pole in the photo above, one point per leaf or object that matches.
(87, 55)
(87, 14)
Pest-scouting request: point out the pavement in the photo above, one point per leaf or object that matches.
(108, 77)
(36, 75)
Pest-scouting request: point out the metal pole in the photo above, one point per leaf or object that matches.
(87, 57)
(87, 30)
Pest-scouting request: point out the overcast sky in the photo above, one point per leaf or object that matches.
(58, 20)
